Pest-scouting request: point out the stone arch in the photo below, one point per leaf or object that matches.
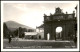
(58, 31)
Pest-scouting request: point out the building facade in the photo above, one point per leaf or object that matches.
(40, 31)
(59, 19)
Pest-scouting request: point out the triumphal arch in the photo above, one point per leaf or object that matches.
(60, 19)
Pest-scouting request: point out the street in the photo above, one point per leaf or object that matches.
(38, 44)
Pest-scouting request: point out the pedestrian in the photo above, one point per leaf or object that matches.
(10, 38)
(39, 37)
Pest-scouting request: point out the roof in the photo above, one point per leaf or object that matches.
(30, 33)
(41, 26)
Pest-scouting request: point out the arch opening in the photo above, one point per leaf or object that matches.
(48, 36)
(58, 32)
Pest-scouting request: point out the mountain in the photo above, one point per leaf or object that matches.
(14, 25)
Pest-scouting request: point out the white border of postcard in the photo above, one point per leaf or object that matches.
(76, 49)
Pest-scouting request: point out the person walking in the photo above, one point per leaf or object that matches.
(10, 38)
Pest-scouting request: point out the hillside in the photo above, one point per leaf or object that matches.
(14, 25)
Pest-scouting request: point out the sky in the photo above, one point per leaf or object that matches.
(31, 14)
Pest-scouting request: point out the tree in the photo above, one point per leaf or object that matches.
(5, 31)
(16, 32)
(20, 32)
(23, 35)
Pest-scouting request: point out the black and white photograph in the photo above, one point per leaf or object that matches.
(40, 25)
